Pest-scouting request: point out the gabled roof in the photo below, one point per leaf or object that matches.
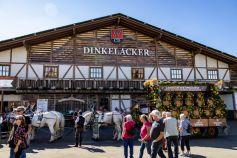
(119, 19)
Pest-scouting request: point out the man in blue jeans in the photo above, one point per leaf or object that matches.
(157, 134)
(128, 135)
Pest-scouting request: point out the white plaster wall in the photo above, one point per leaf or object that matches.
(203, 73)
(186, 72)
(22, 73)
(5, 56)
(19, 54)
(228, 100)
(39, 69)
(31, 74)
(126, 71)
(84, 71)
(106, 72)
(63, 69)
(148, 71)
(15, 68)
(211, 62)
(227, 77)
(222, 73)
(222, 64)
(166, 72)
(200, 60)
(160, 75)
(78, 74)
(70, 73)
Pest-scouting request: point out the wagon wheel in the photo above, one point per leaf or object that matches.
(212, 131)
(196, 131)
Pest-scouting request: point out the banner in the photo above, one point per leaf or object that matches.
(42, 105)
(183, 88)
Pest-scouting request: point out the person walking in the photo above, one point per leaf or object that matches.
(17, 139)
(145, 135)
(128, 135)
(171, 134)
(79, 126)
(28, 128)
(184, 129)
(157, 134)
(164, 146)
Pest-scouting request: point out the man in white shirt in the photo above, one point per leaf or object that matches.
(171, 134)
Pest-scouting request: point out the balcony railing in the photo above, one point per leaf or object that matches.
(28, 84)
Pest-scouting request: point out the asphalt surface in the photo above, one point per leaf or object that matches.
(224, 146)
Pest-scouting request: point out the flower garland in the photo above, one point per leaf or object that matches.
(194, 104)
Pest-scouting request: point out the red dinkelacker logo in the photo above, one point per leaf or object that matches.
(116, 35)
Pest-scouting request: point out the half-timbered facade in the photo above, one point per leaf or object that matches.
(106, 60)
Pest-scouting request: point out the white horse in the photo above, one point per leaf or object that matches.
(107, 118)
(54, 120)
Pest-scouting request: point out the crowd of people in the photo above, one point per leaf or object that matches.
(158, 132)
(20, 130)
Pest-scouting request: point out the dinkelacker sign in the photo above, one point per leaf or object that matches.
(116, 51)
(116, 38)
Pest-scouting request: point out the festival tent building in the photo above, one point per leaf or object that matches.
(105, 62)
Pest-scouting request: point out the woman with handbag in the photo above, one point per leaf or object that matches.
(17, 140)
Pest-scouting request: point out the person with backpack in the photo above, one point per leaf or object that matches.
(128, 134)
(185, 132)
(79, 125)
(157, 134)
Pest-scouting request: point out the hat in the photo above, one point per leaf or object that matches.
(20, 108)
(156, 113)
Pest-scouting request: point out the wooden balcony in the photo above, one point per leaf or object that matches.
(88, 85)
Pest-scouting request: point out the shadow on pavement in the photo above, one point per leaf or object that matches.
(196, 156)
(93, 149)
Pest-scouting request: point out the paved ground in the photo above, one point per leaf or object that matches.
(221, 147)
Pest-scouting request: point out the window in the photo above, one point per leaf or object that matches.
(51, 71)
(137, 73)
(4, 70)
(176, 74)
(95, 72)
(212, 74)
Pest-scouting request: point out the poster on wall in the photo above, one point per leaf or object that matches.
(42, 105)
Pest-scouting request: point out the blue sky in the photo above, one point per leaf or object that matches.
(210, 22)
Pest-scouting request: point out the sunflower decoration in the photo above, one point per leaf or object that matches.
(167, 101)
(220, 113)
(153, 92)
(200, 101)
(186, 112)
(174, 113)
(196, 114)
(178, 100)
(189, 101)
(211, 102)
(208, 113)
